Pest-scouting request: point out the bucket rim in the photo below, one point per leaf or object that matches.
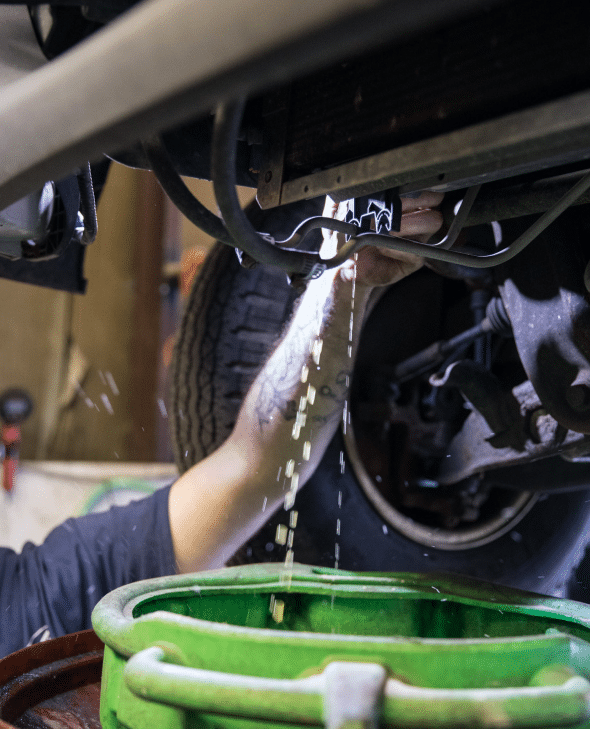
(113, 619)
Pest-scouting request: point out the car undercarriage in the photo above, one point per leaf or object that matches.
(470, 420)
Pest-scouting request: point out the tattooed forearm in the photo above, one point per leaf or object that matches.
(315, 355)
(277, 387)
(272, 402)
(280, 378)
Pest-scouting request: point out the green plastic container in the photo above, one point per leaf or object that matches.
(403, 650)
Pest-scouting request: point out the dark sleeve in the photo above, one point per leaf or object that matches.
(54, 586)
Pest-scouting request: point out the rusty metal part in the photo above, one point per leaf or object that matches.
(516, 201)
(472, 451)
(481, 532)
(53, 685)
(496, 320)
(498, 406)
(547, 135)
(546, 300)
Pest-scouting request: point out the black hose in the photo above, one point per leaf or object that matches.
(223, 173)
(87, 205)
(173, 185)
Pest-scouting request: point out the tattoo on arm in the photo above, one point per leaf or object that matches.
(278, 379)
(281, 376)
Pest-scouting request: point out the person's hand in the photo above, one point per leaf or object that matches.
(381, 266)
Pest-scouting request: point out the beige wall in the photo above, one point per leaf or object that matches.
(29, 346)
(75, 354)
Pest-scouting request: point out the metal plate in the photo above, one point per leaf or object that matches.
(544, 136)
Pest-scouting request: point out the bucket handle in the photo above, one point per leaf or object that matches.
(348, 693)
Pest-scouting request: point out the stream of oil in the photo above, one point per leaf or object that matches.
(285, 535)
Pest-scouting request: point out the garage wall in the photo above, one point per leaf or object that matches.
(107, 395)
(90, 362)
(94, 364)
(30, 351)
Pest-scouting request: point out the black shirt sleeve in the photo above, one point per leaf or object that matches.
(50, 590)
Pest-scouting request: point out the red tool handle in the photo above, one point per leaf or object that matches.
(11, 440)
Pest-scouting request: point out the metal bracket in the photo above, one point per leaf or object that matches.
(353, 695)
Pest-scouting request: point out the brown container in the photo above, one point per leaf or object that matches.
(53, 684)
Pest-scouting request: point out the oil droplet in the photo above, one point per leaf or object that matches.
(162, 407)
(114, 388)
(278, 611)
(281, 535)
(306, 450)
(317, 350)
(301, 419)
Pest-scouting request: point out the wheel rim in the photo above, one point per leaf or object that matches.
(481, 533)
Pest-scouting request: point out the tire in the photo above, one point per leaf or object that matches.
(231, 323)
(233, 319)
(537, 555)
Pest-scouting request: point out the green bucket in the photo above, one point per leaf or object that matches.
(258, 646)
